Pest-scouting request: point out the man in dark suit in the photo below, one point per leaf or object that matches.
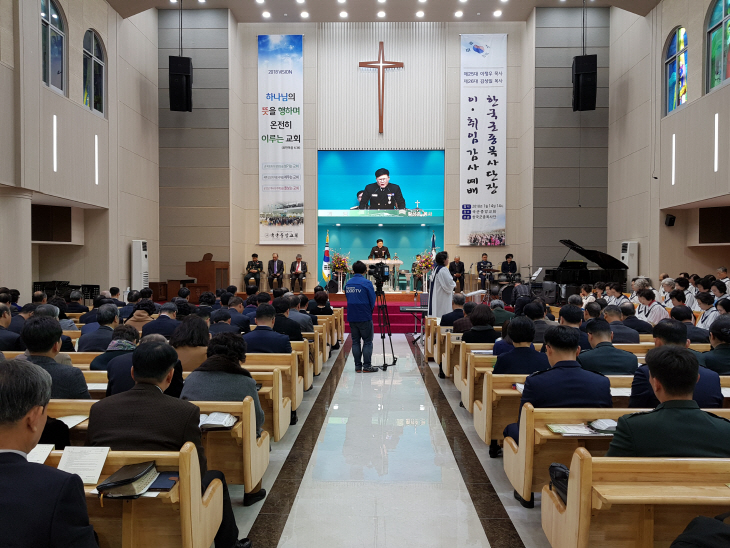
(606, 358)
(39, 298)
(42, 336)
(509, 266)
(144, 419)
(98, 341)
(379, 251)
(51, 311)
(298, 272)
(115, 294)
(524, 359)
(707, 392)
(75, 306)
(621, 333)
(220, 322)
(303, 304)
(41, 506)
(238, 318)
(628, 313)
(536, 313)
(462, 325)
(275, 271)
(719, 359)
(283, 324)
(128, 310)
(677, 427)
(572, 316)
(456, 268)
(263, 339)
(166, 322)
(18, 321)
(592, 311)
(382, 194)
(565, 384)
(254, 267)
(457, 304)
(9, 341)
(685, 315)
(304, 320)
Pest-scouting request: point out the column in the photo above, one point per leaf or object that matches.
(16, 268)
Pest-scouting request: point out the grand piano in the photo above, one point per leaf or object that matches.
(576, 272)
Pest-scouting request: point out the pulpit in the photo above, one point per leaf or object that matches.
(209, 275)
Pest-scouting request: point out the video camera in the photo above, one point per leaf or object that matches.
(380, 272)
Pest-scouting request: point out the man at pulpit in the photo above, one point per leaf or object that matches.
(379, 251)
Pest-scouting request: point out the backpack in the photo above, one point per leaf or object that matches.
(704, 532)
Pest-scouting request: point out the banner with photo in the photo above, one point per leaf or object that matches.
(281, 146)
(483, 139)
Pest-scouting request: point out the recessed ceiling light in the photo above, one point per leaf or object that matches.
(381, 14)
(171, 2)
(498, 13)
(380, 224)
(300, 1)
(338, 224)
(341, 1)
(305, 14)
(459, 14)
(266, 14)
(504, 1)
(419, 14)
(343, 14)
(423, 224)
(462, 1)
(259, 1)
(201, 1)
(381, 1)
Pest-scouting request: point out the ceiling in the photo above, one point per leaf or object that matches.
(249, 11)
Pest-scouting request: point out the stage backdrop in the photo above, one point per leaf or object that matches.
(420, 176)
(281, 150)
(483, 156)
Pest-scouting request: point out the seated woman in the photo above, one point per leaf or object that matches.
(124, 340)
(524, 359)
(142, 315)
(67, 324)
(719, 358)
(586, 294)
(312, 304)
(723, 306)
(323, 307)
(222, 378)
(482, 330)
(504, 343)
(190, 340)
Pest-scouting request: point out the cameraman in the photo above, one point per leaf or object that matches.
(360, 303)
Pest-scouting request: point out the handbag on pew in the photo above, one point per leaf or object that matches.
(559, 474)
(704, 532)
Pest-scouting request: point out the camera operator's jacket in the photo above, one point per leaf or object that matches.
(360, 299)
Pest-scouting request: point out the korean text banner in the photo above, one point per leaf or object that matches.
(281, 147)
(483, 154)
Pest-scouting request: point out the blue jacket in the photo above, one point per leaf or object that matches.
(708, 393)
(360, 299)
(264, 340)
(163, 325)
(521, 361)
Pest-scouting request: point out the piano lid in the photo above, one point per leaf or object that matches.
(603, 260)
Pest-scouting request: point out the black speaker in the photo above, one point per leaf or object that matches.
(669, 220)
(585, 82)
(181, 84)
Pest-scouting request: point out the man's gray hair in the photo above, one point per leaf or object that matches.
(76, 296)
(106, 294)
(152, 338)
(722, 269)
(642, 283)
(669, 282)
(458, 299)
(496, 303)
(170, 308)
(575, 300)
(48, 310)
(294, 302)
(23, 386)
(107, 313)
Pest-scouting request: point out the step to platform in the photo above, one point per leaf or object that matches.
(400, 322)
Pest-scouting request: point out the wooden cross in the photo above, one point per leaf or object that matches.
(381, 64)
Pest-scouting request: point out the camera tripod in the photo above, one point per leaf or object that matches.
(384, 323)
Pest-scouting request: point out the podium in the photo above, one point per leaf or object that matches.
(394, 264)
(209, 275)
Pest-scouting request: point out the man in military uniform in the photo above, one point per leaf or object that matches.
(483, 268)
(379, 251)
(605, 358)
(382, 194)
(457, 272)
(677, 427)
(509, 266)
(707, 392)
(253, 270)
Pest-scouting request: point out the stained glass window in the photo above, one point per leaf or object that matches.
(53, 42)
(676, 69)
(93, 72)
(718, 44)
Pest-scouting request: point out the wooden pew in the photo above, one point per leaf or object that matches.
(314, 341)
(440, 342)
(632, 502)
(73, 335)
(180, 518)
(452, 348)
(527, 466)
(306, 369)
(430, 328)
(477, 365)
(289, 365)
(460, 366)
(646, 338)
(340, 323)
(78, 359)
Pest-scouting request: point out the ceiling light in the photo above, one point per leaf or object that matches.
(266, 14)
(381, 224)
(201, 1)
(423, 224)
(462, 1)
(498, 13)
(459, 14)
(381, 1)
(338, 224)
(300, 1)
(422, 1)
(504, 1)
(305, 14)
(259, 1)
(171, 2)
(341, 1)
(381, 14)
(343, 14)
(419, 14)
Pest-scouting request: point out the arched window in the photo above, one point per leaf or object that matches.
(676, 69)
(53, 44)
(718, 34)
(93, 72)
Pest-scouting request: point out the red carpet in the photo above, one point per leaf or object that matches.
(400, 322)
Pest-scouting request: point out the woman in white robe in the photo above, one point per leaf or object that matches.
(441, 287)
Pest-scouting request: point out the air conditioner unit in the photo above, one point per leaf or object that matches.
(630, 257)
(140, 265)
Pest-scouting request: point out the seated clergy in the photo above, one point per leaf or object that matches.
(124, 340)
(482, 326)
(707, 393)
(457, 305)
(144, 419)
(524, 359)
(166, 322)
(220, 322)
(462, 325)
(686, 316)
(41, 506)
(621, 333)
(677, 427)
(606, 358)
(263, 339)
(98, 341)
(719, 359)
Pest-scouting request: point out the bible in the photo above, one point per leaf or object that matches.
(129, 481)
(217, 421)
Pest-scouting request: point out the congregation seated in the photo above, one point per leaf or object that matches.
(220, 322)
(9, 341)
(16, 324)
(572, 316)
(50, 311)
(304, 320)
(127, 310)
(239, 318)
(606, 358)
(251, 303)
(166, 322)
(42, 336)
(190, 341)
(39, 298)
(686, 316)
(303, 303)
(718, 290)
(707, 392)
(75, 306)
(592, 311)
(615, 296)
(114, 294)
(145, 294)
(90, 316)
(206, 301)
(719, 359)
(283, 324)
(119, 378)
(143, 311)
(457, 312)
(575, 300)
(67, 324)
(621, 333)
(313, 302)
(586, 294)
(500, 314)
(536, 313)
(683, 285)
(677, 427)
(482, 330)
(263, 339)
(42, 506)
(98, 341)
(706, 302)
(723, 306)
(222, 376)
(649, 310)
(523, 359)
(145, 419)
(124, 340)
(261, 298)
(322, 307)
(628, 313)
(667, 286)
(462, 325)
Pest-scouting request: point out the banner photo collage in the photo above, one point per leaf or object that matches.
(483, 139)
(281, 146)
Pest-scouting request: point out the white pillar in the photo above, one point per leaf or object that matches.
(16, 266)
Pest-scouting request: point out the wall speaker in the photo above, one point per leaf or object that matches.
(669, 220)
(585, 82)
(181, 84)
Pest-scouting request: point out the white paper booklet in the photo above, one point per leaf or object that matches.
(86, 462)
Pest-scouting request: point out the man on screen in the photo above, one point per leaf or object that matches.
(379, 251)
(382, 194)
(359, 199)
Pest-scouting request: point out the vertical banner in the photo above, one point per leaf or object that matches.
(483, 154)
(281, 148)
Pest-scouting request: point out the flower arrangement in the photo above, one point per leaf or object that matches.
(340, 262)
(424, 264)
